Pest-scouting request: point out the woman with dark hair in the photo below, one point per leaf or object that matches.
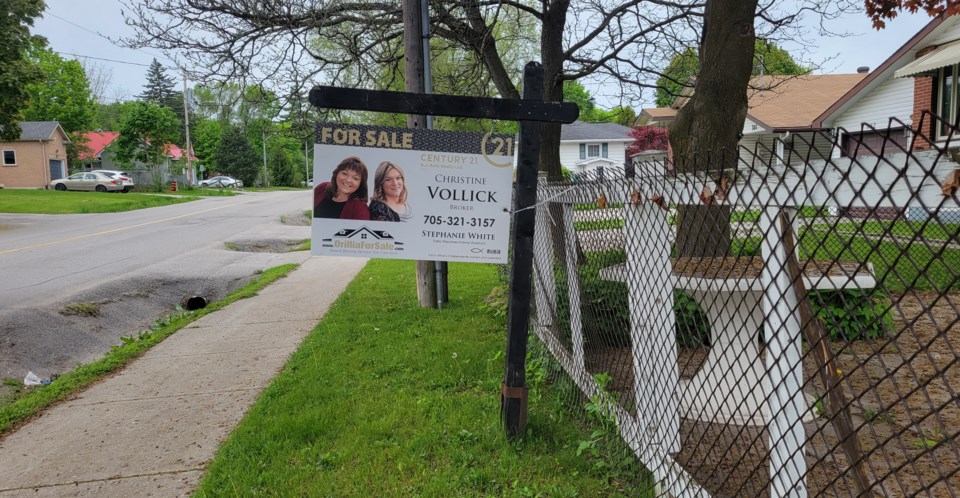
(345, 195)
(389, 201)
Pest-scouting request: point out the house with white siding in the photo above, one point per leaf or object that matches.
(594, 149)
(888, 105)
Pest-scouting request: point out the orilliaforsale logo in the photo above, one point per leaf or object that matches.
(363, 238)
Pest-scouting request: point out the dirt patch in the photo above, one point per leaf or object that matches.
(270, 245)
(300, 219)
(904, 403)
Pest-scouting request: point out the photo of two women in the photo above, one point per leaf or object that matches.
(345, 196)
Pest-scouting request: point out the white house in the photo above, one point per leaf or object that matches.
(594, 148)
(920, 76)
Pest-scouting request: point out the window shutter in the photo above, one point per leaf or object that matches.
(583, 151)
(604, 149)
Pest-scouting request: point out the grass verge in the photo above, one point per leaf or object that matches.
(33, 400)
(54, 202)
(387, 399)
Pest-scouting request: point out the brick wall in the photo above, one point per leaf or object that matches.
(923, 100)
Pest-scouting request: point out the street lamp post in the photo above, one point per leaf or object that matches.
(266, 181)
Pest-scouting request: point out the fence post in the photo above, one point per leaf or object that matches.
(513, 392)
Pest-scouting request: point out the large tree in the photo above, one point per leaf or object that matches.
(17, 72)
(145, 134)
(160, 89)
(62, 95)
(236, 157)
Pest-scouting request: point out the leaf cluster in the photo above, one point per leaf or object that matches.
(17, 72)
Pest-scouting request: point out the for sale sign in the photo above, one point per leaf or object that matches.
(411, 194)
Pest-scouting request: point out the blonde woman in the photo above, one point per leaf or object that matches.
(389, 201)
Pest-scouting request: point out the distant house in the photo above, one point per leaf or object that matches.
(100, 156)
(39, 157)
(96, 156)
(594, 147)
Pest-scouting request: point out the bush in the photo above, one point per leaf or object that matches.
(849, 315)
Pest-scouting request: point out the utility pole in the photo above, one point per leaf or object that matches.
(186, 126)
(413, 74)
(266, 182)
(440, 267)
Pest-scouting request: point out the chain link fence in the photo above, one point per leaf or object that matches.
(781, 324)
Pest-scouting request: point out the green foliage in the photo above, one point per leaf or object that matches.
(575, 92)
(159, 88)
(62, 95)
(109, 117)
(205, 135)
(676, 76)
(83, 309)
(236, 157)
(17, 71)
(850, 315)
(692, 325)
(144, 134)
(768, 59)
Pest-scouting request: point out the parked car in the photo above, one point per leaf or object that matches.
(88, 181)
(221, 182)
(120, 175)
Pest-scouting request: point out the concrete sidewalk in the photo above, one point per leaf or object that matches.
(151, 429)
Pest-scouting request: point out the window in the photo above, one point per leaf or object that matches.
(589, 151)
(947, 88)
(9, 157)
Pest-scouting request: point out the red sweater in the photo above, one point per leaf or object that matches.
(353, 209)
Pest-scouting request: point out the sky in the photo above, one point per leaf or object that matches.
(79, 29)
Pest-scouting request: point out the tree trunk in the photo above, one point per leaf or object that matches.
(413, 74)
(551, 54)
(705, 133)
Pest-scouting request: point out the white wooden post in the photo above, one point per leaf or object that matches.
(784, 375)
(573, 287)
(651, 284)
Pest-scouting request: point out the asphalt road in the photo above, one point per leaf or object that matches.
(133, 267)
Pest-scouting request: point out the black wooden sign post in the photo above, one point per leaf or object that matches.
(530, 111)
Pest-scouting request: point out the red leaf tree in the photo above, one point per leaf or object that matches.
(647, 138)
(879, 10)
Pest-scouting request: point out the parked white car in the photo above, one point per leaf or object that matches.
(221, 182)
(88, 181)
(120, 175)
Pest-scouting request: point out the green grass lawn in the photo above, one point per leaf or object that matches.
(54, 202)
(387, 399)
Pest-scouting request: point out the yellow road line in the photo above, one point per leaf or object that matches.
(78, 237)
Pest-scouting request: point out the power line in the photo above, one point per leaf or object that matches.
(101, 35)
(102, 59)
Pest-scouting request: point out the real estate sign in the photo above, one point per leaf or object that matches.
(409, 193)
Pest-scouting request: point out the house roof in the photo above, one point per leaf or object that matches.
(778, 102)
(96, 141)
(903, 56)
(656, 115)
(579, 131)
(40, 130)
(176, 153)
(794, 102)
